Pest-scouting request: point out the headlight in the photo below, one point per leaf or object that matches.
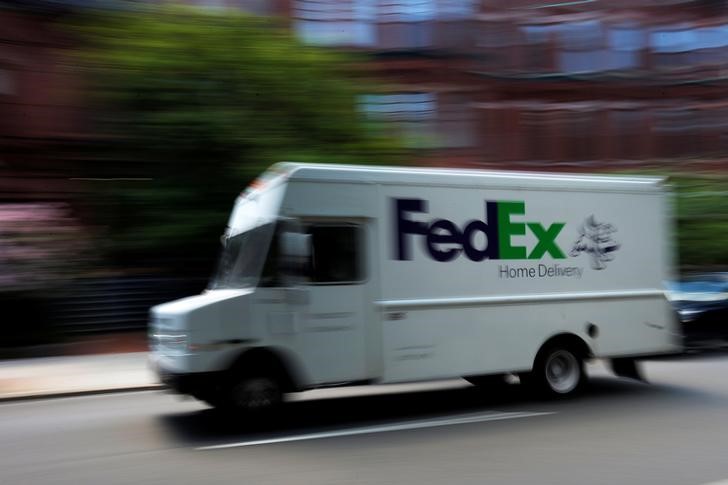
(170, 342)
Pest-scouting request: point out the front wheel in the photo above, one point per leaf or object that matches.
(254, 394)
(557, 372)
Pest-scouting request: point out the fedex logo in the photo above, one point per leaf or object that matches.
(444, 240)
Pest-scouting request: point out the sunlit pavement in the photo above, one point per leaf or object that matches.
(52, 376)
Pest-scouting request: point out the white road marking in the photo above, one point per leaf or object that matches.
(420, 424)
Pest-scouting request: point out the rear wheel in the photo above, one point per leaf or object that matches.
(557, 372)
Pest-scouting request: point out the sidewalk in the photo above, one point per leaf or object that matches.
(101, 365)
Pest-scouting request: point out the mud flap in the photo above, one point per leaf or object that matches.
(627, 368)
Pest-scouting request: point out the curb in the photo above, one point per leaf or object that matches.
(66, 394)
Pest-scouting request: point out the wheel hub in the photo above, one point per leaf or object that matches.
(562, 371)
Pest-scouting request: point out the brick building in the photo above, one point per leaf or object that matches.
(520, 83)
(41, 104)
(507, 83)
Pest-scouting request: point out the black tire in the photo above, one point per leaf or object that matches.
(558, 372)
(252, 394)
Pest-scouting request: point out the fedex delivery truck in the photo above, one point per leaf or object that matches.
(333, 275)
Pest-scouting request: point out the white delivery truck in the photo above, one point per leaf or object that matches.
(334, 275)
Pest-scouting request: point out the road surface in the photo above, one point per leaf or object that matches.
(673, 431)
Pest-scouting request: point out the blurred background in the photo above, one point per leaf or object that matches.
(127, 128)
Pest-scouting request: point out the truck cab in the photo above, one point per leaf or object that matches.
(284, 310)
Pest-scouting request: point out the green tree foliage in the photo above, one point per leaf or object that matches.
(702, 220)
(194, 104)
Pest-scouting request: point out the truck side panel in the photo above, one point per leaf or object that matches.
(475, 280)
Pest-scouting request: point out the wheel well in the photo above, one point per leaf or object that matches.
(569, 341)
(268, 360)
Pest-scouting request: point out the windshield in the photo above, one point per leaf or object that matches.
(242, 258)
(248, 238)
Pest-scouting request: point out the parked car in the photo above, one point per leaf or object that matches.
(701, 302)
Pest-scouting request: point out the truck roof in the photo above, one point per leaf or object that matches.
(458, 177)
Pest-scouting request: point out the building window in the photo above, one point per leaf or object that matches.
(496, 41)
(336, 22)
(672, 46)
(413, 115)
(406, 10)
(455, 9)
(388, 24)
(582, 47)
(713, 44)
(405, 24)
(538, 49)
(626, 43)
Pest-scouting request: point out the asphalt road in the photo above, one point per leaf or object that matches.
(673, 431)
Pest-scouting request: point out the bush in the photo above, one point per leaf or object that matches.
(702, 220)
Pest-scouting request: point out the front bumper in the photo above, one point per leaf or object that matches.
(201, 385)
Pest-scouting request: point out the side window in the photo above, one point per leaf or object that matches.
(337, 256)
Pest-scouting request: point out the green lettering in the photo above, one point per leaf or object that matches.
(506, 229)
(546, 240)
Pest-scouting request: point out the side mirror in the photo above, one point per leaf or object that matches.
(296, 245)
